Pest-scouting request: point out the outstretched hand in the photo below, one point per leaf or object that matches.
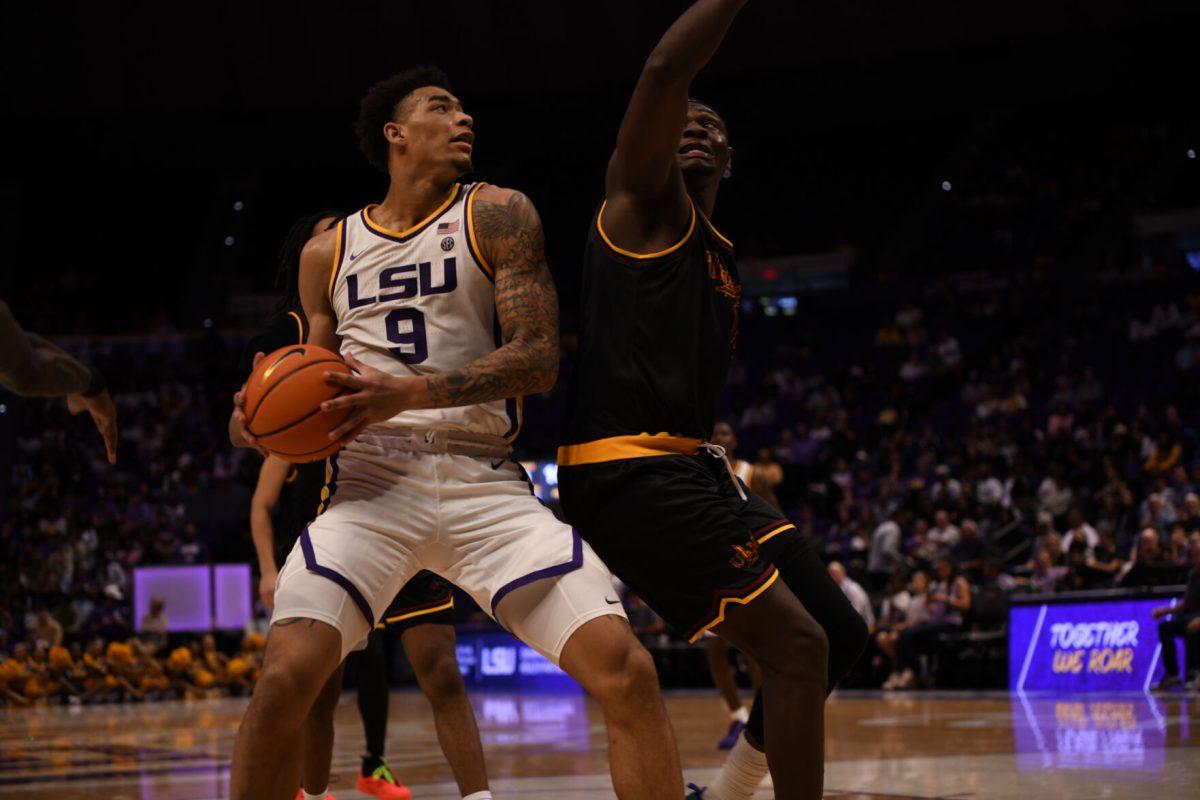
(104, 414)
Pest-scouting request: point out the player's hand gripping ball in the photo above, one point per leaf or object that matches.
(282, 403)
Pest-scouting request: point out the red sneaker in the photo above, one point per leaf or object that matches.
(383, 784)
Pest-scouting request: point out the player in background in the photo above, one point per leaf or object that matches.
(285, 500)
(659, 318)
(441, 299)
(31, 366)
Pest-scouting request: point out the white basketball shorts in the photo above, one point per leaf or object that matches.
(475, 522)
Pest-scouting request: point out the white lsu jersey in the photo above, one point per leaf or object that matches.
(421, 302)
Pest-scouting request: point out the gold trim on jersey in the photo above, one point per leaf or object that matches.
(340, 241)
(645, 256)
(725, 601)
(377, 228)
(323, 504)
(472, 241)
(299, 327)
(617, 448)
(714, 230)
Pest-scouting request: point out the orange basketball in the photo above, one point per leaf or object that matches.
(283, 402)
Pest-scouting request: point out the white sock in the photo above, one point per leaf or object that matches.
(484, 795)
(741, 715)
(318, 796)
(741, 773)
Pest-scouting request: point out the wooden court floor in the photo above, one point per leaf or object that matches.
(897, 747)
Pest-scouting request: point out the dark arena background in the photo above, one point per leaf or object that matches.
(968, 237)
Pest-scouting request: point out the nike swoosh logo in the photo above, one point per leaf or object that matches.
(612, 602)
(355, 255)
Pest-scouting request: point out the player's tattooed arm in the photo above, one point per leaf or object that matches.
(511, 237)
(34, 367)
(644, 167)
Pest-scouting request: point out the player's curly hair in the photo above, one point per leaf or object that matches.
(381, 105)
(287, 274)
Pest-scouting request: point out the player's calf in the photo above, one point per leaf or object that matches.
(301, 655)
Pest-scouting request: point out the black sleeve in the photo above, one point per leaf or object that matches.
(281, 330)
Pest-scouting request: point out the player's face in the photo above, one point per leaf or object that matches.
(704, 149)
(437, 130)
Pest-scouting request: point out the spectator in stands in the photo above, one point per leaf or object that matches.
(1178, 547)
(1081, 532)
(155, 626)
(884, 558)
(1158, 514)
(1190, 517)
(46, 630)
(949, 598)
(1046, 574)
(1184, 621)
(1105, 558)
(1054, 493)
(854, 592)
(946, 492)
(1165, 456)
(944, 534)
(970, 549)
(902, 610)
(1146, 565)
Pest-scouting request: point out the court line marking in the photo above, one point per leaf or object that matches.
(1032, 646)
(1153, 664)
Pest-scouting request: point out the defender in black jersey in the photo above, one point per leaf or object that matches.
(657, 502)
(288, 497)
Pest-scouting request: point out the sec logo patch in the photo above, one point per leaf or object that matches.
(448, 244)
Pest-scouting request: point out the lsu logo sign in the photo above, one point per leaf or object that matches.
(1087, 646)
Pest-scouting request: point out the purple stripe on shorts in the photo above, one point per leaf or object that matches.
(310, 563)
(548, 572)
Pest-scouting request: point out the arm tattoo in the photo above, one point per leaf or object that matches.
(34, 367)
(511, 237)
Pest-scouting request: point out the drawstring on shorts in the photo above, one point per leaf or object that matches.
(717, 451)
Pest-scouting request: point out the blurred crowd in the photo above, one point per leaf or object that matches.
(134, 669)
(946, 445)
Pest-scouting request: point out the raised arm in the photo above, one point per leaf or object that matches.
(643, 169)
(510, 236)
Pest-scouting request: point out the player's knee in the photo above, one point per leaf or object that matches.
(626, 675)
(441, 681)
(807, 651)
(284, 680)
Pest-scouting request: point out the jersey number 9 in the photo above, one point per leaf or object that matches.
(406, 331)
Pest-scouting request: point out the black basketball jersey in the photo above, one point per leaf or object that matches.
(301, 493)
(658, 332)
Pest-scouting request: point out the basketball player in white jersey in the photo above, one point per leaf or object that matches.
(441, 300)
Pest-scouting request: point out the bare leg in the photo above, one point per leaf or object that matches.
(610, 664)
(430, 649)
(301, 655)
(793, 652)
(717, 651)
(887, 645)
(317, 738)
(755, 672)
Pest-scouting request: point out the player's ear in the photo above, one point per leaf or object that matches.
(728, 165)
(394, 132)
